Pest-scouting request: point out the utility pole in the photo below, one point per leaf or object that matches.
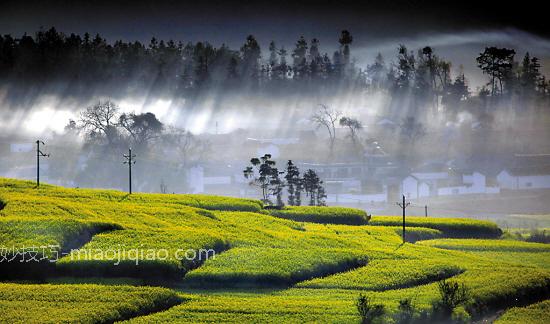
(39, 154)
(404, 206)
(426, 210)
(129, 161)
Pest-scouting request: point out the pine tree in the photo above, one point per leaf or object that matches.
(265, 175)
(293, 183)
(314, 189)
(299, 56)
(273, 59)
(345, 41)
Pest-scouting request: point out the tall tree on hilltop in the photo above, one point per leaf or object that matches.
(251, 54)
(405, 69)
(529, 75)
(273, 58)
(376, 72)
(315, 60)
(497, 63)
(281, 70)
(299, 55)
(454, 94)
(345, 41)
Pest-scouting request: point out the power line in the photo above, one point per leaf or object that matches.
(39, 154)
(129, 161)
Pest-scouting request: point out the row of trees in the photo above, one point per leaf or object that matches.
(264, 174)
(423, 80)
(419, 83)
(176, 67)
(103, 124)
(164, 151)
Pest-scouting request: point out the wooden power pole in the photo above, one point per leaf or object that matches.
(404, 206)
(129, 161)
(39, 154)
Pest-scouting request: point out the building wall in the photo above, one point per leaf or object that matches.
(534, 182)
(410, 187)
(423, 190)
(507, 181)
(456, 190)
(195, 179)
(476, 182)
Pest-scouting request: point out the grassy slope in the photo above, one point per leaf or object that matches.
(533, 314)
(451, 227)
(80, 303)
(266, 250)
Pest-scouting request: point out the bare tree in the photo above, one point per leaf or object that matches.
(100, 120)
(188, 147)
(327, 118)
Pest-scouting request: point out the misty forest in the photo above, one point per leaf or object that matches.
(226, 105)
(206, 163)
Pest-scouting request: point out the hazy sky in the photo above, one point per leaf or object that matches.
(230, 21)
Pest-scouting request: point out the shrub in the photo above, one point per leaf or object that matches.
(460, 316)
(405, 312)
(368, 311)
(452, 295)
(539, 236)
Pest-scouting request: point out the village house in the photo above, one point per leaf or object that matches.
(524, 178)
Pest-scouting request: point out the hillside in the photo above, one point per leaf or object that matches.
(297, 265)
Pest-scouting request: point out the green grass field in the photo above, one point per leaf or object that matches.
(533, 314)
(301, 264)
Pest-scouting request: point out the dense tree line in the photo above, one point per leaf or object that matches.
(419, 83)
(168, 66)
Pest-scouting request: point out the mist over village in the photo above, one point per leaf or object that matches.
(345, 141)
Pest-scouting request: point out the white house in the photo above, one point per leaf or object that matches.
(475, 183)
(414, 188)
(524, 178)
(426, 184)
(195, 179)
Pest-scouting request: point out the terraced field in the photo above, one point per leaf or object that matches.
(295, 265)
